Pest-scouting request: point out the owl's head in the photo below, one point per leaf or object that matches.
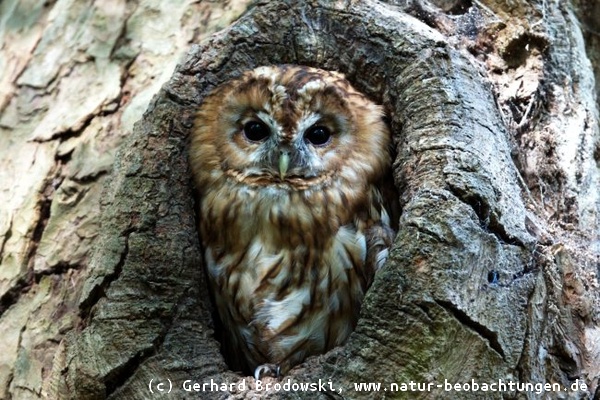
(291, 127)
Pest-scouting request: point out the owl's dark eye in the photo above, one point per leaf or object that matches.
(317, 135)
(256, 131)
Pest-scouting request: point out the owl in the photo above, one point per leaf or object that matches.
(292, 169)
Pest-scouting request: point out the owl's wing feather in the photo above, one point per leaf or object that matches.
(380, 232)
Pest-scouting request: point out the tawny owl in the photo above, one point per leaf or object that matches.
(289, 163)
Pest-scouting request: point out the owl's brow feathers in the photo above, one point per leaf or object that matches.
(279, 95)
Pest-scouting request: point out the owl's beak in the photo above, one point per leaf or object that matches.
(284, 163)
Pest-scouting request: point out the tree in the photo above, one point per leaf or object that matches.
(493, 275)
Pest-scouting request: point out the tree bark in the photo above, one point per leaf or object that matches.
(493, 274)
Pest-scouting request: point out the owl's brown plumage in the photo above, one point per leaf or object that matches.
(290, 163)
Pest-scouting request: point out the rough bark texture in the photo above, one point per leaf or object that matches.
(493, 274)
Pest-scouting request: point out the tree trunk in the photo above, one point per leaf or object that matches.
(493, 274)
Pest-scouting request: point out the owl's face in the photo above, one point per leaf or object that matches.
(291, 127)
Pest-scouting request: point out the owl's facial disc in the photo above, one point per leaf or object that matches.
(291, 130)
(281, 152)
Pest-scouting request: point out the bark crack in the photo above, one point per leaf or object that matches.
(20, 287)
(25, 281)
(59, 269)
(120, 375)
(483, 331)
(99, 290)
(488, 218)
(7, 236)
